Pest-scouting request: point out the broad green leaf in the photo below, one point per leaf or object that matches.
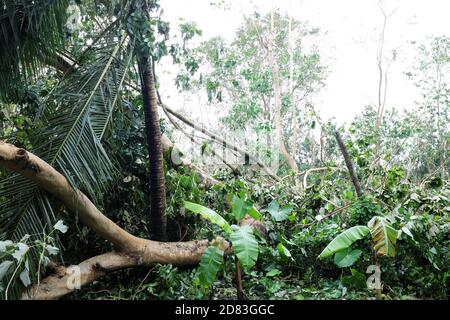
(356, 280)
(384, 236)
(255, 214)
(244, 245)
(273, 273)
(407, 232)
(279, 214)
(283, 251)
(240, 208)
(344, 240)
(210, 263)
(346, 257)
(4, 267)
(208, 214)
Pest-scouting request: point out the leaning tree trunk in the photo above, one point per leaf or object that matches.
(158, 219)
(349, 164)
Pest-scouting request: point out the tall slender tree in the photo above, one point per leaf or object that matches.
(158, 219)
(383, 64)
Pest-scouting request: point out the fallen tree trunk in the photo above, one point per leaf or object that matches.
(130, 251)
(147, 253)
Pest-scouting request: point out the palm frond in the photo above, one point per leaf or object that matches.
(74, 119)
(29, 31)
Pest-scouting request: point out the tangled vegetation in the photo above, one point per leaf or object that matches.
(354, 211)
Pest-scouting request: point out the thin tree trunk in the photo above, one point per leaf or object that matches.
(239, 287)
(382, 82)
(349, 164)
(277, 90)
(158, 219)
(295, 128)
(442, 144)
(322, 145)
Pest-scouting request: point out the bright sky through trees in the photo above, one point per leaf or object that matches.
(348, 43)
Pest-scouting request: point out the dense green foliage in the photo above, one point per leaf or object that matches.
(320, 241)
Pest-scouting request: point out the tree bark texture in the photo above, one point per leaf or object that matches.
(158, 219)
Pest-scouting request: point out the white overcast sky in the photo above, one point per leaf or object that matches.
(348, 44)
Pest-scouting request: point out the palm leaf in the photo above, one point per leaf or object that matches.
(30, 30)
(75, 118)
(70, 141)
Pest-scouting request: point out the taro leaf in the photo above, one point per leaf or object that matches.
(346, 257)
(254, 213)
(240, 207)
(273, 273)
(277, 212)
(208, 214)
(384, 236)
(244, 245)
(344, 240)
